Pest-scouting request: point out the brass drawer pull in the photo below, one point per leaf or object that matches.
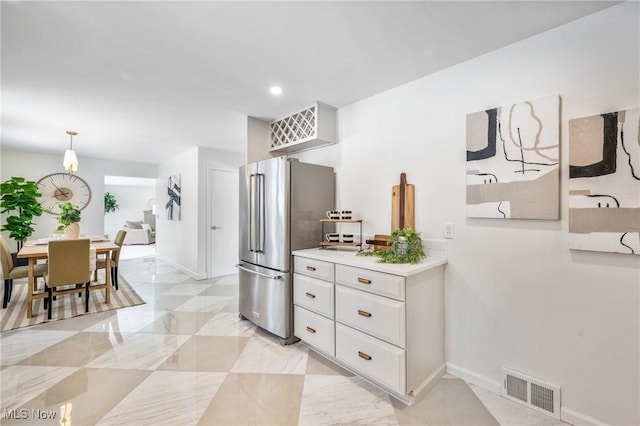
(311, 268)
(364, 356)
(311, 295)
(364, 313)
(311, 330)
(364, 281)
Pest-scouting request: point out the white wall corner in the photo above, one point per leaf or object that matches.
(195, 275)
(475, 378)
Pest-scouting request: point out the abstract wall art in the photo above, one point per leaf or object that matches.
(513, 154)
(173, 198)
(604, 182)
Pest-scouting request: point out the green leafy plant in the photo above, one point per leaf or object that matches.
(110, 203)
(405, 247)
(70, 214)
(20, 196)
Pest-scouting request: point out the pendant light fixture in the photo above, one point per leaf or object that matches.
(70, 162)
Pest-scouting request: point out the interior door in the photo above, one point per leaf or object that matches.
(223, 222)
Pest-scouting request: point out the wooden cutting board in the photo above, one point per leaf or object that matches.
(409, 204)
(379, 238)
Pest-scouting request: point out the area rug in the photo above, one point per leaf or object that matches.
(67, 306)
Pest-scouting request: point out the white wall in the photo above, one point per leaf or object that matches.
(183, 243)
(516, 295)
(34, 166)
(132, 200)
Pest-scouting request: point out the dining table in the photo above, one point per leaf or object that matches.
(38, 250)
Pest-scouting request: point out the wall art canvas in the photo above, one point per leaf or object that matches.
(604, 182)
(173, 198)
(513, 154)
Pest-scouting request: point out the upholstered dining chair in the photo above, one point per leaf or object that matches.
(115, 257)
(69, 268)
(10, 271)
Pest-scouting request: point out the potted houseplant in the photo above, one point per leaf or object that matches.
(405, 247)
(68, 220)
(110, 203)
(19, 197)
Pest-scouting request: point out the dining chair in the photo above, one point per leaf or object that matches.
(115, 257)
(10, 271)
(69, 268)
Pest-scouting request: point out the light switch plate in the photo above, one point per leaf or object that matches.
(448, 230)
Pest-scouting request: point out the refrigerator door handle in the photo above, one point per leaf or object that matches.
(252, 212)
(273, 277)
(261, 214)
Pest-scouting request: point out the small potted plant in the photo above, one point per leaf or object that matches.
(110, 203)
(405, 247)
(69, 219)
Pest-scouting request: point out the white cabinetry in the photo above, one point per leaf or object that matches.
(388, 327)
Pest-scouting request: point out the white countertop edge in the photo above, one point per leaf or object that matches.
(349, 258)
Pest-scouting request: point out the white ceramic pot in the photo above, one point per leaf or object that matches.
(72, 231)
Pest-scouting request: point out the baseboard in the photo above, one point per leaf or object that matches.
(575, 418)
(429, 382)
(192, 274)
(567, 415)
(475, 378)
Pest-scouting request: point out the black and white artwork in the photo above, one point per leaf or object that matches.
(513, 156)
(604, 182)
(173, 198)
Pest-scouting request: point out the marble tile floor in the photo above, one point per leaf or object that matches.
(185, 358)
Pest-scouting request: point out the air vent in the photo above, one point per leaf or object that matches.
(534, 393)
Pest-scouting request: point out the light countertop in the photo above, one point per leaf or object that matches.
(349, 258)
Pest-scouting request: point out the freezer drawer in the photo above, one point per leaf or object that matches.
(266, 299)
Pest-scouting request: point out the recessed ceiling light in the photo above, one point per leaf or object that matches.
(275, 90)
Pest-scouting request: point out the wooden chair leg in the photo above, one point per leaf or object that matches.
(10, 289)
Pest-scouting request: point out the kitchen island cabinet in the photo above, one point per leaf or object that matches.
(383, 322)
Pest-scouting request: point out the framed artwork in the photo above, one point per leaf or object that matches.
(513, 154)
(173, 200)
(604, 182)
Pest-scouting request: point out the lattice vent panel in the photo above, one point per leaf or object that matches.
(295, 128)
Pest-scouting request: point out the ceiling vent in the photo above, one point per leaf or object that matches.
(536, 394)
(312, 127)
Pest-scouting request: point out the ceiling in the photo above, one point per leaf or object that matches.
(145, 81)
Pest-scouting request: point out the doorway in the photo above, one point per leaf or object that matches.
(222, 226)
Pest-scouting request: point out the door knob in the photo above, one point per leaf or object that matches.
(216, 227)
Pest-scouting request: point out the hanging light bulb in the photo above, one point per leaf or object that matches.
(70, 162)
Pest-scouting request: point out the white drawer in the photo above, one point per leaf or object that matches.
(374, 282)
(378, 360)
(314, 329)
(313, 294)
(375, 315)
(313, 268)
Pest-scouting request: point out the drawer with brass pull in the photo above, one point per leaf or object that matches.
(314, 329)
(313, 294)
(375, 282)
(375, 315)
(378, 360)
(313, 268)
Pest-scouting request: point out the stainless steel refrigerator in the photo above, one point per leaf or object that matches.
(281, 203)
